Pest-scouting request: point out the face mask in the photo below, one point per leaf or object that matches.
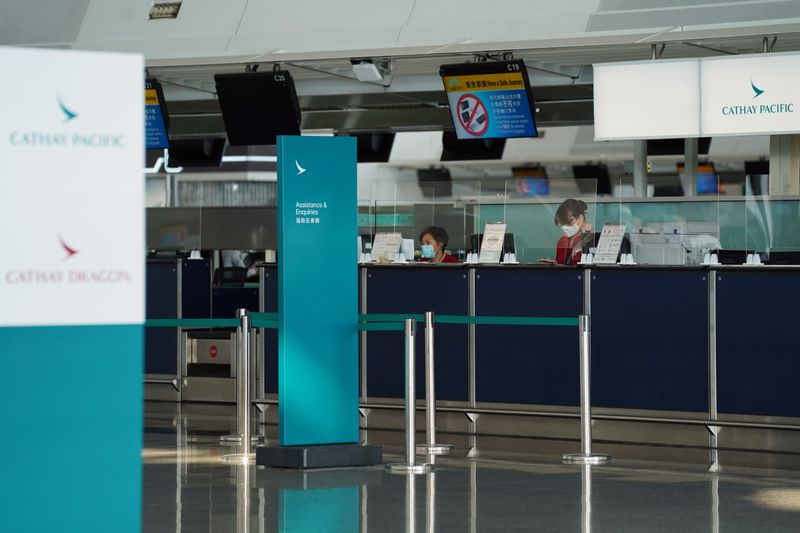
(427, 251)
(570, 231)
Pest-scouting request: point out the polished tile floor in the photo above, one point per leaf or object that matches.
(188, 487)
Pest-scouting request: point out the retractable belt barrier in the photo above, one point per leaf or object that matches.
(407, 323)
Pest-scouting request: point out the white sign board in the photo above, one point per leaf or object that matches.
(494, 235)
(750, 94)
(646, 100)
(609, 244)
(71, 175)
(386, 246)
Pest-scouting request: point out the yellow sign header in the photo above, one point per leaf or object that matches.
(484, 82)
(150, 97)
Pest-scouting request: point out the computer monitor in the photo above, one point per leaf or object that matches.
(455, 149)
(490, 100)
(707, 179)
(531, 181)
(258, 106)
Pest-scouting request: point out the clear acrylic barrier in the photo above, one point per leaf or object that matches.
(409, 208)
(770, 224)
(530, 210)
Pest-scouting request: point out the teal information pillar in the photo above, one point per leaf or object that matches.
(318, 291)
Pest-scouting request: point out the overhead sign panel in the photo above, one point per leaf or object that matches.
(646, 100)
(489, 100)
(750, 94)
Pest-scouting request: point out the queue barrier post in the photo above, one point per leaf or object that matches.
(586, 456)
(410, 466)
(431, 447)
(243, 436)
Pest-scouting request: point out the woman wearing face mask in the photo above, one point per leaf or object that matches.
(433, 241)
(578, 236)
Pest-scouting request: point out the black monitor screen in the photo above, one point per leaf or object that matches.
(374, 147)
(595, 172)
(676, 146)
(490, 100)
(455, 149)
(258, 106)
(435, 182)
(196, 152)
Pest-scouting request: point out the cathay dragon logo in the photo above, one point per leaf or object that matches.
(70, 250)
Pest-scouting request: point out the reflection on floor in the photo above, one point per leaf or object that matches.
(187, 487)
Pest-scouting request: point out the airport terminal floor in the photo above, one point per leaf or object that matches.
(188, 487)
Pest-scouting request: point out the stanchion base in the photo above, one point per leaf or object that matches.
(434, 449)
(236, 439)
(405, 468)
(583, 459)
(239, 458)
(319, 456)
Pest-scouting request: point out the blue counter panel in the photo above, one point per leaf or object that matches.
(650, 339)
(196, 289)
(270, 305)
(417, 289)
(527, 364)
(226, 301)
(161, 344)
(757, 356)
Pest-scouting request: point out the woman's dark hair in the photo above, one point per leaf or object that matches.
(567, 207)
(438, 234)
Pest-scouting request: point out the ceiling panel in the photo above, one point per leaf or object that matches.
(40, 22)
(694, 16)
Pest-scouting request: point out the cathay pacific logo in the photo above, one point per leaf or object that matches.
(68, 113)
(764, 108)
(758, 92)
(55, 137)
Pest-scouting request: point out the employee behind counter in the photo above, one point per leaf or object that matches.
(433, 243)
(578, 235)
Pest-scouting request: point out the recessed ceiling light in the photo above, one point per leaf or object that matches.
(164, 10)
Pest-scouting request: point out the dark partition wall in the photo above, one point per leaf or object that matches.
(161, 344)
(270, 305)
(527, 364)
(650, 339)
(437, 288)
(758, 368)
(162, 296)
(196, 288)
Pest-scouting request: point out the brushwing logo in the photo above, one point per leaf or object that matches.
(70, 251)
(63, 137)
(764, 108)
(68, 114)
(758, 92)
(300, 169)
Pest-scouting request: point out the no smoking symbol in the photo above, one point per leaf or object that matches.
(472, 115)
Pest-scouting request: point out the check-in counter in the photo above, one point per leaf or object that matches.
(176, 288)
(687, 356)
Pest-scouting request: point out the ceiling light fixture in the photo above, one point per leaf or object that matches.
(164, 10)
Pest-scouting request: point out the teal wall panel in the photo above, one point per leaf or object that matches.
(71, 416)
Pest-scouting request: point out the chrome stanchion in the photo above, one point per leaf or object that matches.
(410, 466)
(243, 396)
(431, 448)
(586, 456)
(244, 384)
